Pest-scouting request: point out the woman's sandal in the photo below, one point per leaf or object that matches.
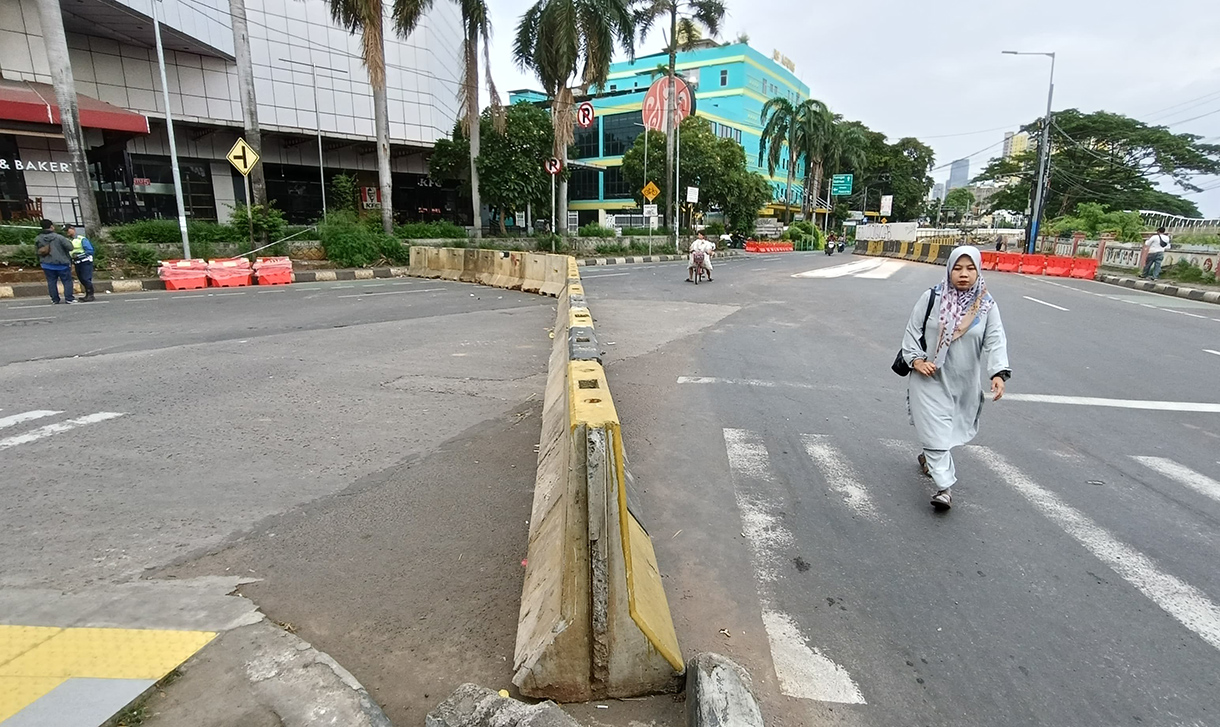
(923, 466)
(942, 500)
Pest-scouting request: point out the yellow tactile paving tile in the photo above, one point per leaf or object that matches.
(107, 653)
(16, 693)
(16, 640)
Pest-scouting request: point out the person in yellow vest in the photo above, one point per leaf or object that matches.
(82, 260)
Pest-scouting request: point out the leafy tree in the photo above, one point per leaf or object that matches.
(688, 19)
(1093, 219)
(509, 169)
(563, 41)
(1108, 159)
(899, 169)
(781, 120)
(476, 25)
(961, 200)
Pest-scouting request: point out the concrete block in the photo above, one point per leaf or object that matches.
(470, 266)
(719, 693)
(364, 274)
(535, 272)
(485, 266)
(321, 276)
(127, 286)
(555, 275)
(419, 261)
(473, 706)
(6, 291)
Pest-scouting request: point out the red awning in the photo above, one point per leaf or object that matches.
(35, 103)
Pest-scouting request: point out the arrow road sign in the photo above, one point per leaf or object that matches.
(553, 166)
(585, 115)
(840, 185)
(243, 156)
(650, 191)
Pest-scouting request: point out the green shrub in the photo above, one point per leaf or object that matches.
(715, 229)
(344, 193)
(393, 250)
(26, 256)
(147, 232)
(610, 248)
(141, 255)
(351, 244)
(645, 232)
(543, 242)
(15, 235)
(595, 230)
(442, 230)
(268, 222)
(1197, 238)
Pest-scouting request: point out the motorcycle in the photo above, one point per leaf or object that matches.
(697, 260)
(830, 247)
(842, 246)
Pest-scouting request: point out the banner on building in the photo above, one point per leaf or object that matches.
(370, 198)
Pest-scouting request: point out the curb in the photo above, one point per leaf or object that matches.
(473, 706)
(140, 285)
(719, 693)
(1177, 291)
(637, 260)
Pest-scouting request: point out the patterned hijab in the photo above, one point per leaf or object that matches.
(960, 309)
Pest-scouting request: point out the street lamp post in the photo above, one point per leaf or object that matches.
(1043, 153)
(317, 116)
(646, 183)
(169, 128)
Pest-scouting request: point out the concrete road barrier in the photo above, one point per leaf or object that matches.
(535, 272)
(509, 270)
(556, 275)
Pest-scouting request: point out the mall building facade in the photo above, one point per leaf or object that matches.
(118, 83)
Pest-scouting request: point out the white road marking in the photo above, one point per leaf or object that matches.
(391, 292)
(803, 671)
(9, 421)
(19, 320)
(607, 275)
(1124, 300)
(839, 474)
(759, 383)
(137, 300)
(1202, 484)
(1191, 406)
(1043, 302)
(57, 428)
(1190, 606)
(838, 271)
(883, 271)
(1208, 350)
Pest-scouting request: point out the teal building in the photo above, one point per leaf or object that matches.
(731, 83)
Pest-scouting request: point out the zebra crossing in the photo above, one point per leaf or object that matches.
(21, 434)
(763, 494)
(867, 269)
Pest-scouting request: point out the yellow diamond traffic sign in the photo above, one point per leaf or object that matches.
(243, 156)
(651, 191)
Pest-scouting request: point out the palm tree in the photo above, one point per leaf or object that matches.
(781, 132)
(555, 38)
(365, 17)
(845, 149)
(814, 127)
(687, 21)
(476, 24)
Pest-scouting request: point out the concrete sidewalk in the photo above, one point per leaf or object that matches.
(1154, 286)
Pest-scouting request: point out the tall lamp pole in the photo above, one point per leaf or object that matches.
(1043, 152)
(317, 116)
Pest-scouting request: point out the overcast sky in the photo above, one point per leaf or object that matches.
(906, 69)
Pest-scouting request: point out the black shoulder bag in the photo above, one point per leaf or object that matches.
(900, 365)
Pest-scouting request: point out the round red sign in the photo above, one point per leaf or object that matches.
(655, 106)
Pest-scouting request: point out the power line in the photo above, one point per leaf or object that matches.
(1188, 103)
(969, 133)
(968, 156)
(1193, 118)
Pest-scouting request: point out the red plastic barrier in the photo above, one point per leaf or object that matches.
(231, 273)
(273, 270)
(1008, 262)
(1084, 267)
(751, 246)
(184, 274)
(1059, 266)
(1033, 264)
(990, 259)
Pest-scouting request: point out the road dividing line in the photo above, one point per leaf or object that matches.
(391, 292)
(608, 275)
(803, 671)
(57, 428)
(1202, 484)
(1208, 350)
(1191, 406)
(1190, 606)
(15, 419)
(1043, 302)
(839, 474)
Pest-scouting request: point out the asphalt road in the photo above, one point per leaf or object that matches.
(1075, 580)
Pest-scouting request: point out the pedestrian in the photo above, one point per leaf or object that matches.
(1156, 245)
(82, 260)
(55, 257)
(947, 353)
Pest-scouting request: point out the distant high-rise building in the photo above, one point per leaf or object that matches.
(959, 174)
(938, 191)
(1015, 143)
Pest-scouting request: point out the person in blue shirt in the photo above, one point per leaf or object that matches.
(82, 260)
(55, 257)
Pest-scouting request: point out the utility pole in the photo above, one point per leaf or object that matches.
(169, 128)
(317, 116)
(249, 102)
(60, 64)
(1043, 153)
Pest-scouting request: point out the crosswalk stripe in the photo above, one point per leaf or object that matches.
(1202, 484)
(839, 474)
(25, 417)
(803, 671)
(57, 428)
(1190, 606)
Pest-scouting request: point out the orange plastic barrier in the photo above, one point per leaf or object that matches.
(1033, 264)
(752, 246)
(1058, 266)
(990, 259)
(1084, 267)
(184, 274)
(1008, 262)
(230, 273)
(273, 270)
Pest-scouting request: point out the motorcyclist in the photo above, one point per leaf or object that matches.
(707, 247)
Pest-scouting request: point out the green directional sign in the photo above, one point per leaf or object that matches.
(840, 185)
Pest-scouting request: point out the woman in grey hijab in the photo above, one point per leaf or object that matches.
(964, 340)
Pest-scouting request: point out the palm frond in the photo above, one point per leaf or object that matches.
(406, 14)
(709, 14)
